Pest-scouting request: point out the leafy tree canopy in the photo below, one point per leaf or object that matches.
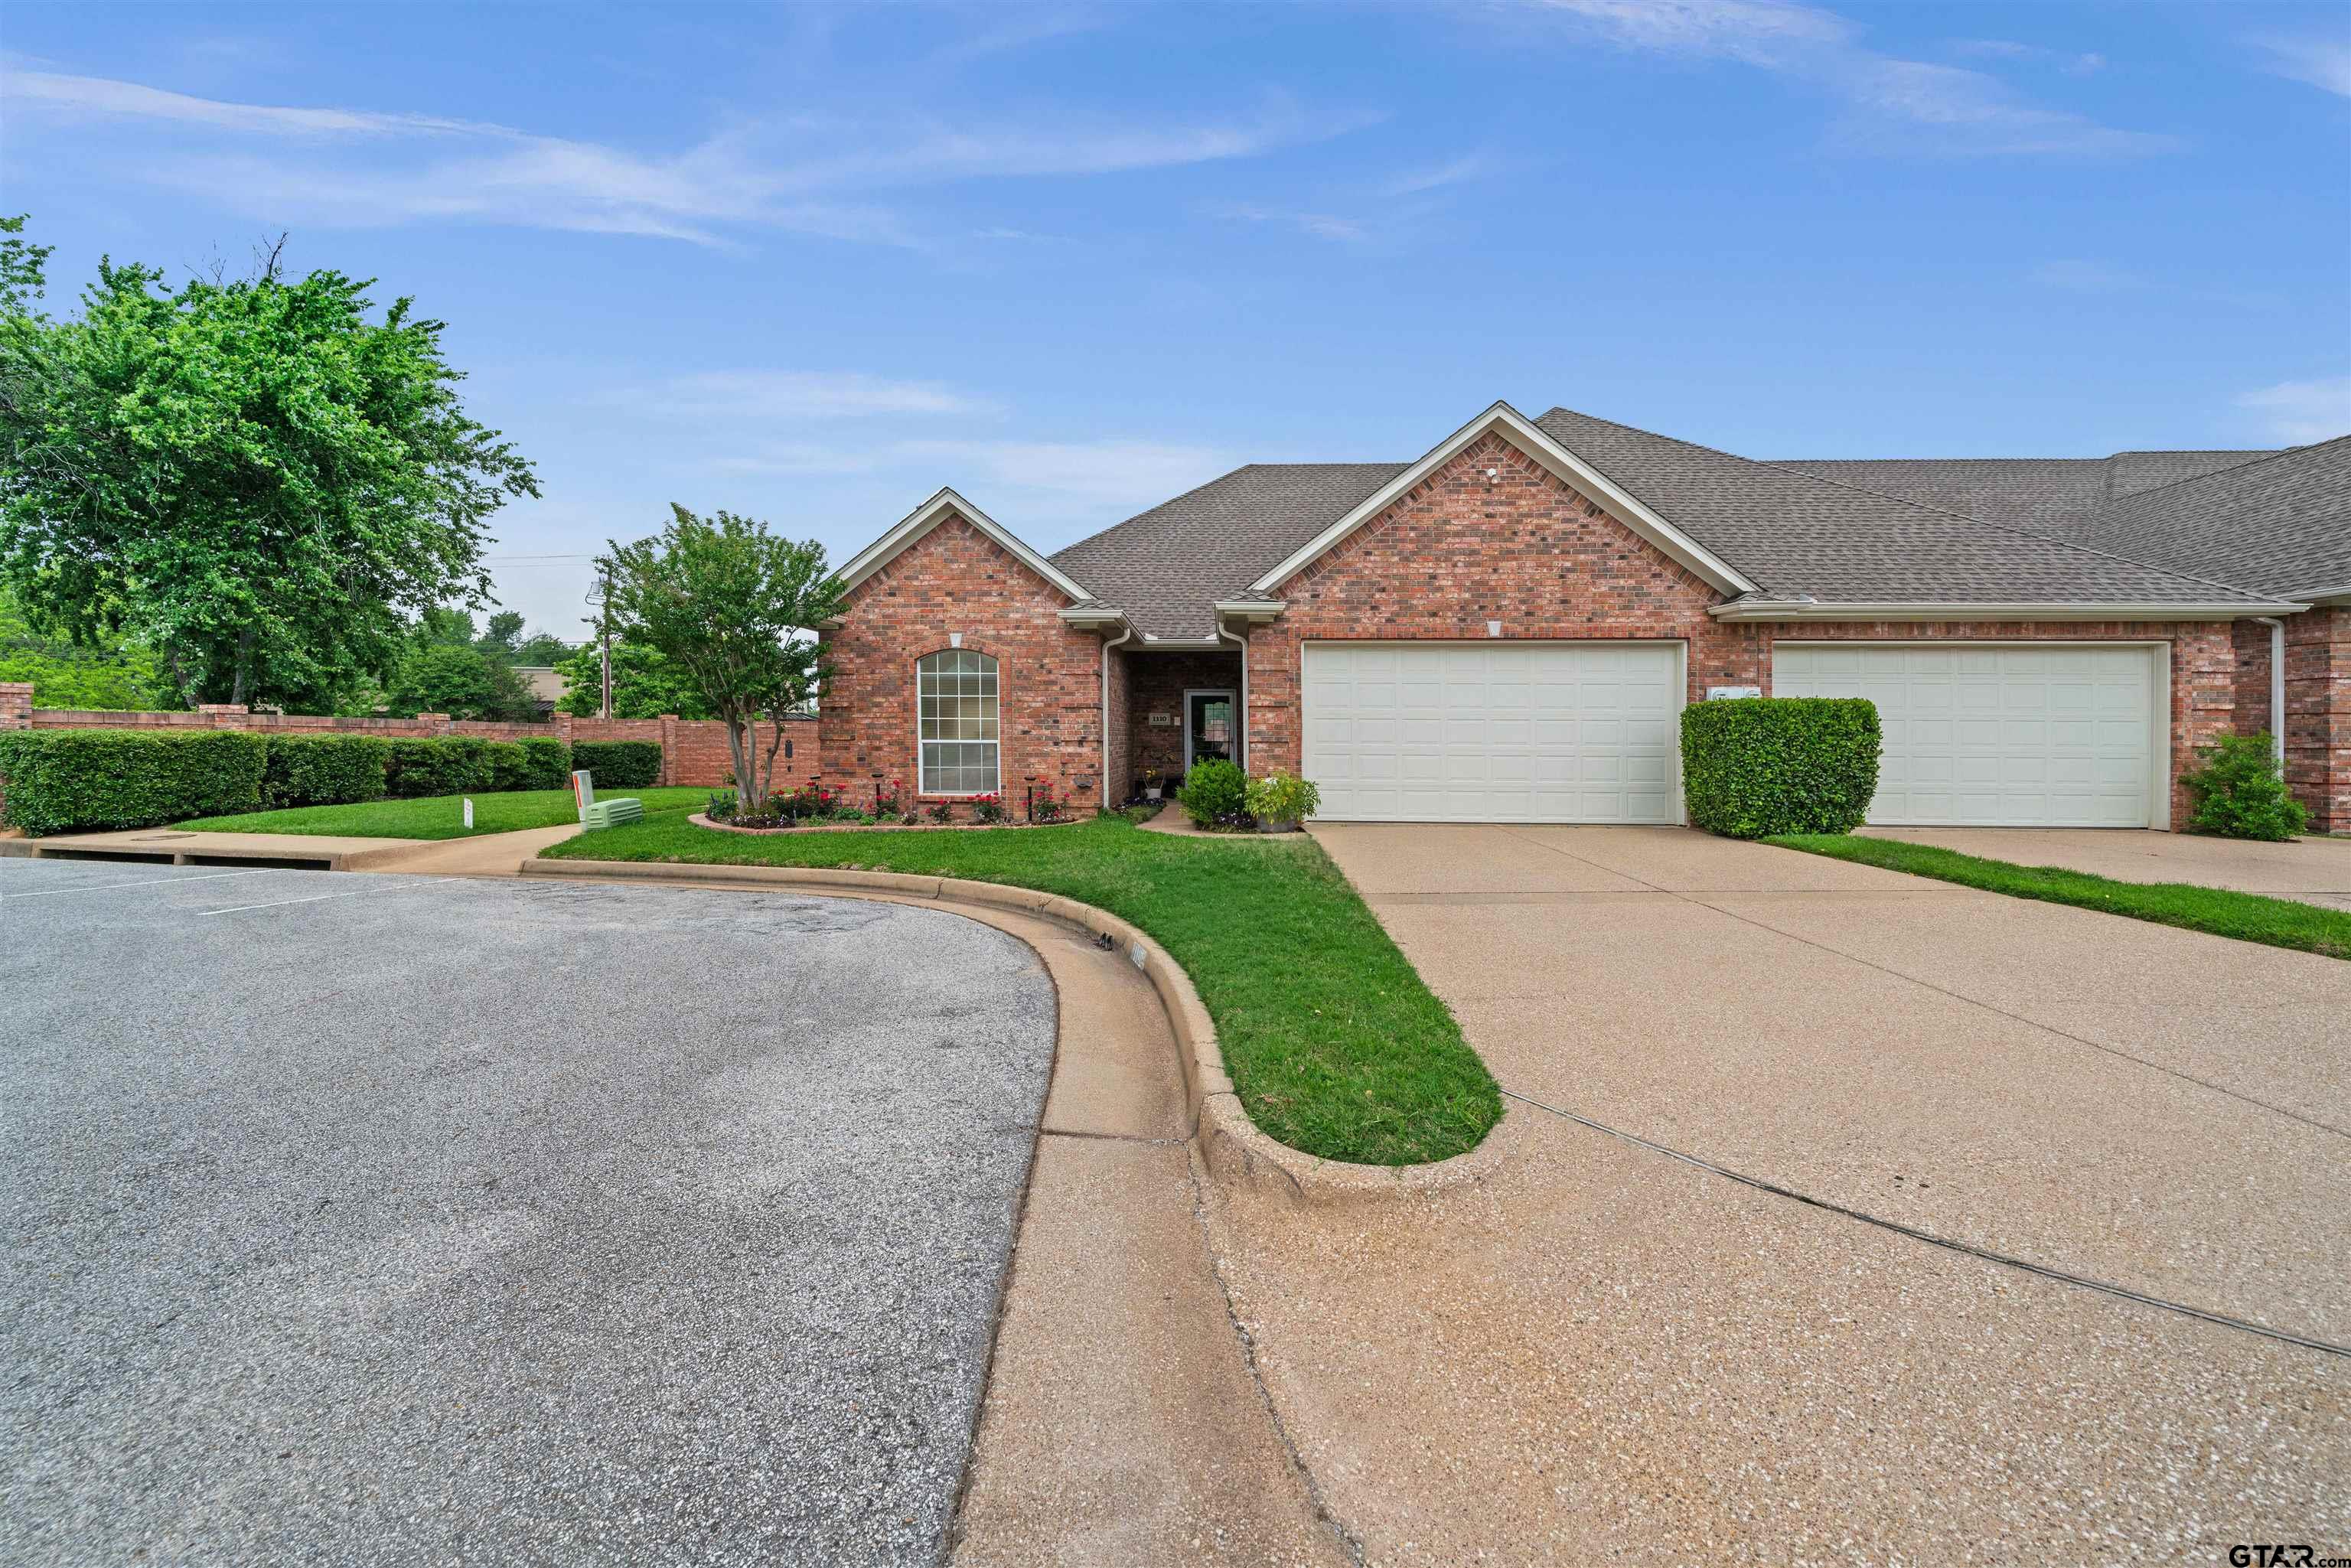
(261, 479)
(460, 681)
(734, 607)
(644, 684)
(109, 674)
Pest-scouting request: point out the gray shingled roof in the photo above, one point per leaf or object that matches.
(1810, 527)
(1166, 566)
(2027, 491)
(1798, 533)
(2280, 524)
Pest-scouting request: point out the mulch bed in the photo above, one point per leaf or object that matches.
(700, 821)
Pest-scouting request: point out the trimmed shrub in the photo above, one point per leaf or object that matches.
(1215, 791)
(2240, 794)
(439, 766)
(546, 765)
(510, 764)
(619, 764)
(68, 781)
(324, 769)
(1756, 765)
(1282, 797)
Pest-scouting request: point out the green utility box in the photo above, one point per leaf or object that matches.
(612, 814)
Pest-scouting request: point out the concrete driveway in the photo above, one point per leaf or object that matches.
(1609, 1347)
(2316, 870)
(370, 1219)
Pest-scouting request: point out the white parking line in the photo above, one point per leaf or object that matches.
(321, 898)
(150, 881)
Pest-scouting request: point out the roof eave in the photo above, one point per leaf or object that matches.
(927, 517)
(1978, 609)
(2340, 594)
(1564, 464)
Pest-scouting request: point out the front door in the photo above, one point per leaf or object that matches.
(1209, 728)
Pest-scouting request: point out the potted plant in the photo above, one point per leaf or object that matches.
(1279, 801)
(1152, 789)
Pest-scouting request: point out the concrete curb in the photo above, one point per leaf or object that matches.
(1237, 1152)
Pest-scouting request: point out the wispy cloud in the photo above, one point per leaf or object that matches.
(2298, 412)
(2074, 65)
(2323, 61)
(1436, 177)
(1320, 225)
(1068, 476)
(1897, 104)
(802, 394)
(808, 175)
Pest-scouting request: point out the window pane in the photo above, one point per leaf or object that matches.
(956, 714)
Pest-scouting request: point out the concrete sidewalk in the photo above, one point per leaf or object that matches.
(1607, 1350)
(2313, 870)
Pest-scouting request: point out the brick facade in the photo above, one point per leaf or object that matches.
(956, 581)
(1160, 682)
(2318, 714)
(1525, 550)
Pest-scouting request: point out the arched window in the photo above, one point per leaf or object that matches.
(954, 696)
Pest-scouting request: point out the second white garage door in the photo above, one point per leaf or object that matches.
(2013, 736)
(1494, 732)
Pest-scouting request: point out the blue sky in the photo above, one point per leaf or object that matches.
(813, 263)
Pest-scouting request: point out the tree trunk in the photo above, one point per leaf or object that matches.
(748, 794)
(240, 691)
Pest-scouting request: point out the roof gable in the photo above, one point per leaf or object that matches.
(1509, 424)
(930, 515)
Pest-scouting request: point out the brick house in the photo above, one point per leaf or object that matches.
(1506, 629)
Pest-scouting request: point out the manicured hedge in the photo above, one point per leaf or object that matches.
(444, 767)
(1758, 765)
(619, 764)
(70, 780)
(324, 769)
(508, 762)
(546, 765)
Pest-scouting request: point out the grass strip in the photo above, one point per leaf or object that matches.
(441, 816)
(1336, 1045)
(2246, 916)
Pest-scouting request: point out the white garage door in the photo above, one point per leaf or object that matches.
(2005, 737)
(1494, 732)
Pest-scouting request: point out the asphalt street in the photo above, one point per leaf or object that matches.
(373, 1220)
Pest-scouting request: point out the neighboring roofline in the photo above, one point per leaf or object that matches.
(925, 517)
(1857, 610)
(1544, 448)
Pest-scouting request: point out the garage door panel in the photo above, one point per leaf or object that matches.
(2042, 736)
(1498, 732)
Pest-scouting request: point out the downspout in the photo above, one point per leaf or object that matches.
(1242, 643)
(1108, 643)
(2277, 686)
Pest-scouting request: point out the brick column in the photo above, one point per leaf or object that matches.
(224, 716)
(439, 719)
(669, 747)
(563, 728)
(16, 704)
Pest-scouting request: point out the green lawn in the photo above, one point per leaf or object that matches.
(2247, 917)
(442, 816)
(1335, 1044)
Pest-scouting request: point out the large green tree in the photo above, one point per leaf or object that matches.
(736, 608)
(644, 684)
(264, 480)
(106, 674)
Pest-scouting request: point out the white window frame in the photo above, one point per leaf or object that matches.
(922, 769)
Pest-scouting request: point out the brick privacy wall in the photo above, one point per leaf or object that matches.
(1549, 562)
(1160, 683)
(2317, 714)
(693, 751)
(956, 579)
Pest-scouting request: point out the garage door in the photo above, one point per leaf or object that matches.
(2003, 737)
(1494, 732)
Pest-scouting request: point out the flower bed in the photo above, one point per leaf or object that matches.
(700, 821)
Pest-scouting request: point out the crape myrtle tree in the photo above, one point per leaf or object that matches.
(263, 480)
(735, 609)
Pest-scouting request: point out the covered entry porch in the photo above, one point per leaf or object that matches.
(1180, 707)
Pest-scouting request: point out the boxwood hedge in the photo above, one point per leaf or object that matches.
(324, 769)
(71, 781)
(450, 766)
(546, 765)
(1757, 765)
(619, 764)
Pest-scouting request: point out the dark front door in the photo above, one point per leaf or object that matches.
(1209, 728)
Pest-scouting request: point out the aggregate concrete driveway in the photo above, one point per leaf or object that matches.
(381, 1220)
(1605, 1350)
